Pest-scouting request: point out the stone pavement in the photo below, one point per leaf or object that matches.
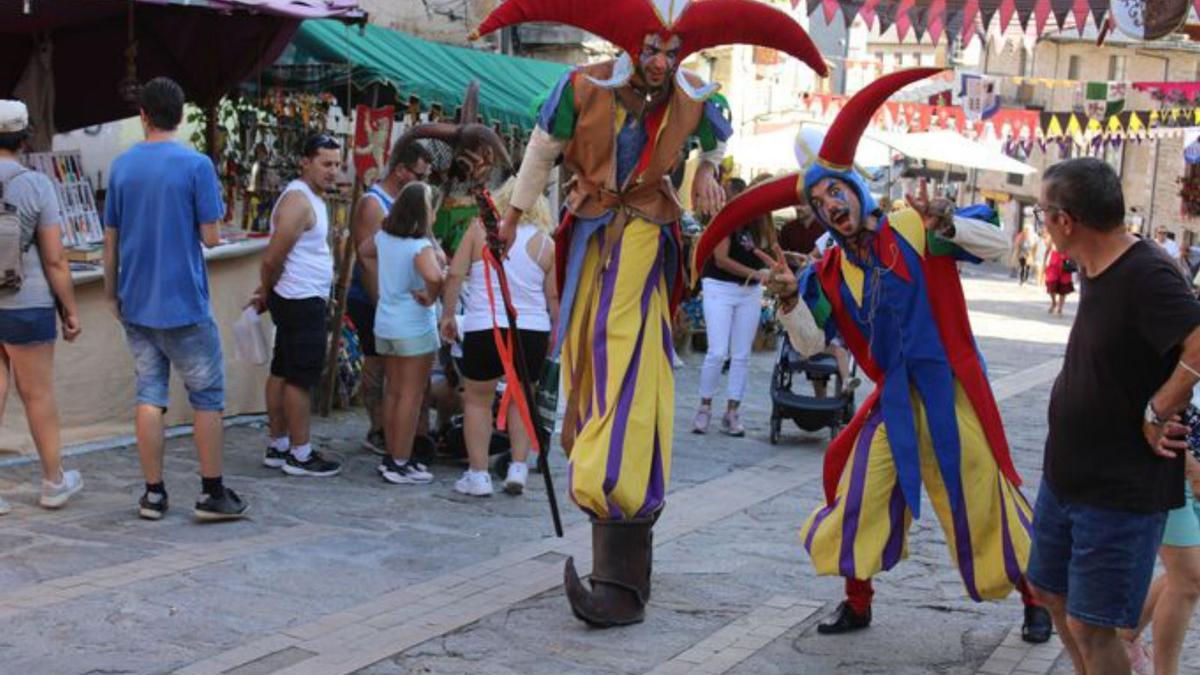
(350, 574)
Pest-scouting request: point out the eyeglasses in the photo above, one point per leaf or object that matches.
(1039, 213)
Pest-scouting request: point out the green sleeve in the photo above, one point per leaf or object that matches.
(706, 133)
(939, 245)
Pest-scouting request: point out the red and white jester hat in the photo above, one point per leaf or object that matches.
(699, 24)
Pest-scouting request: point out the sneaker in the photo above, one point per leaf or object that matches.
(152, 505)
(55, 495)
(275, 459)
(703, 417)
(228, 506)
(408, 473)
(5, 509)
(514, 482)
(476, 484)
(375, 442)
(316, 465)
(731, 424)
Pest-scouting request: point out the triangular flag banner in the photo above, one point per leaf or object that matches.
(1080, 11)
(850, 10)
(1060, 9)
(903, 21)
(867, 11)
(968, 16)
(1041, 11)
(1007, 7)
(935, 19)
(831, 8)
(956, 18)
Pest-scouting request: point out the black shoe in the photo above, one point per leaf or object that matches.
(845, 621)
(1037, 626)
(375, 442)
(275, 459)
(152, 510)
(408, 473)
(315, 466)
(227, 506)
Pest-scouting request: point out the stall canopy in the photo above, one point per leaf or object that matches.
(70, 59)
(951, 148)
(434, 73)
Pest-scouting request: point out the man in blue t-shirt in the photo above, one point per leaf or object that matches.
(163, 202)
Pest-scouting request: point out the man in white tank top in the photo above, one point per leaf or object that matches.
(297, 273)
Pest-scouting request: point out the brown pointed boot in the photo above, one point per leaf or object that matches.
(620, 580)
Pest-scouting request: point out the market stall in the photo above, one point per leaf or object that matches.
(93, 377)
(49, 56)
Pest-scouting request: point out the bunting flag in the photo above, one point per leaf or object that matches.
(1102, 99)
(1172, 92)
(1018, 128)
(935, 20)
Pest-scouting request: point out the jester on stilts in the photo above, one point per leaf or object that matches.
(621, 127)
(890, 289)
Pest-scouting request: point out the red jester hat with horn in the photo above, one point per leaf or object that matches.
(680, 27)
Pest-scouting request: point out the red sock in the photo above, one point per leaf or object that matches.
(1027, 594)
(859, 594)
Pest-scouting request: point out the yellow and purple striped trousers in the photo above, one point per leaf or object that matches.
(620, 336)
(865, 530)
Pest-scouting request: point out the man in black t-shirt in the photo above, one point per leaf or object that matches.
(1114, 453)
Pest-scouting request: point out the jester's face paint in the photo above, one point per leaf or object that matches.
(658, 59)
(837, 206)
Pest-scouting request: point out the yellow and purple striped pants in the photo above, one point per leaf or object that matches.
(620, 336)
(865, 530)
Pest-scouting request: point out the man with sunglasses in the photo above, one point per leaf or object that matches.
(407, 162)
(297, 274)
(1114, 453)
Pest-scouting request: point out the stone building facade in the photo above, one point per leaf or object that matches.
(1150, 170)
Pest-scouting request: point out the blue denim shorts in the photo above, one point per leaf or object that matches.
(194, 350)
(1102, 560)
(28, 326)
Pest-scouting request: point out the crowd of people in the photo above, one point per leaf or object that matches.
(1122, 481)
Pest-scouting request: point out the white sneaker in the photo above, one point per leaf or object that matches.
(476, 484)
(5, 509)
(514, 482)
(55, 495)
(731, 424)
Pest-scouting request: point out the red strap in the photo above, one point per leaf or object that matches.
(513, 393)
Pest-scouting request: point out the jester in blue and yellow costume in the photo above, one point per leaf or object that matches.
(621, 128)
(890, 289)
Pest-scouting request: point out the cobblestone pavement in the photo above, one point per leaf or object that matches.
(353, 575)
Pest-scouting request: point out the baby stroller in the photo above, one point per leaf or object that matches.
(809, 412)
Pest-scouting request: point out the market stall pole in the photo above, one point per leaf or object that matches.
(371, 144)
(344, 256)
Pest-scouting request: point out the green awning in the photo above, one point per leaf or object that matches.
(509, 87)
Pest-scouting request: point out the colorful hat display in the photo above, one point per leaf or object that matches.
(698, 23)
(836, 159)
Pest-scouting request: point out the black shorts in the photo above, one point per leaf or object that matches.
(300, 333)
(363, 316)
(480, 360)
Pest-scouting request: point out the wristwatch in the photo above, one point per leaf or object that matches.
(1150, 415)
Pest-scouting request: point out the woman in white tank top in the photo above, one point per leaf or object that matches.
(529, 270)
